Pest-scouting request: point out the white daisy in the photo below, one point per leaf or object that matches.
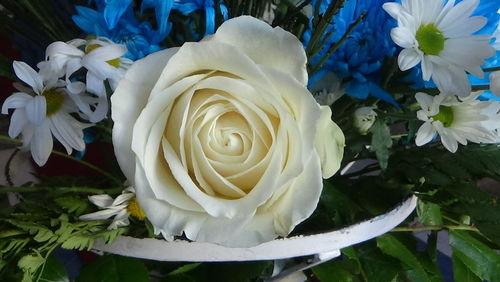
(457, 120)
(43, 112)
(100, 57)
(439, 36)
(120, 208)
(104, 60)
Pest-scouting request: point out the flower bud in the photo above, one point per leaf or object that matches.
(364, 118)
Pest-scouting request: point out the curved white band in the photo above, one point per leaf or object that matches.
(323, 243)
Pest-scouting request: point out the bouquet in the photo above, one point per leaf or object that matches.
(166, 136)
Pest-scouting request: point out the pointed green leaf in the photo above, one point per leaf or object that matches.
(184, 268)
(390, 245)
(479, 258)
(381, 142)
(332, 271)
(54, 271)
(429, 214)
(461, 272)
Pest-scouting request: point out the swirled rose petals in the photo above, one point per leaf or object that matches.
(222, 140)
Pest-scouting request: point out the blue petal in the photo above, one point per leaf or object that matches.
(114, 10)
(86, 19)
(162, 10)
(209, 20)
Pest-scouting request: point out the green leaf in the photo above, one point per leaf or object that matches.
(41, 233)
(381, 142)
(73, 204)
(10, 233)
(184, 269)
(54, 271)
(479, 258)
(30, 264)
(377, 266)
(111, 268)
(332, 271)
(79, 242)
(110, 235)
(429, 213)
(14, 246)
(390, 245)
(461, 272)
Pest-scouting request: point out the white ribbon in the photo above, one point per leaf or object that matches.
(324, 246)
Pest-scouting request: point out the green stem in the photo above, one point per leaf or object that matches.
(64, 155)
(438, 227)
(491, 69)
(399, 136)
(13, 140)
(451, 219)
(436, 91)
(89, 190)
(337, 44)
(89, 165)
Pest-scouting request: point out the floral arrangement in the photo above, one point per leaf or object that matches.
(240, 122)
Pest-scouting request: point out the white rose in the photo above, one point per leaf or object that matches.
(221, 138)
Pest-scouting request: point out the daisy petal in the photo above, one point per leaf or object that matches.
(460, 11)
(14, 101)
(102, 200)
(425, 134)
(95, 85)
(495, 82)
(41, 144)
(449, 142)
(403, 37)
(408, 58)
(100, 215)
(393, 9)
(62, 48)
(427, 68)
(67, 132)
(424, 100)
(17, 122)
(28, 75)
(36, 109)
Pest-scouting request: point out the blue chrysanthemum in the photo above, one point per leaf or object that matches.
(186, 7)
(360, 57)
(139, 38)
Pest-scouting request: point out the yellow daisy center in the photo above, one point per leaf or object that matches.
(54, 101)
(134, 209)
(114, 62)
(445, 116)
(430, 39)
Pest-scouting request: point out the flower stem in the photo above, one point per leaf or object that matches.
(86, 190)
(435, 91)
(437, 227)
(491, 69)
(89, 165)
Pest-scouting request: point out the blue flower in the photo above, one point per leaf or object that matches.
(360, 57)
(162, 11)
(139, 38)
(115, 9)
(186, 7)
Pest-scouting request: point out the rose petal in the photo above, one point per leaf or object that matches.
(283, 51)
